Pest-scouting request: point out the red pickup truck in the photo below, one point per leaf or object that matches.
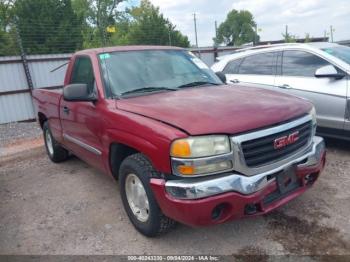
(184, 146)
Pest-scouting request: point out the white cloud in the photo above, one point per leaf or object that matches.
(303, 16)
(168, 3)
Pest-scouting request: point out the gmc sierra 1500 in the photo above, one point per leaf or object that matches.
(184, 146)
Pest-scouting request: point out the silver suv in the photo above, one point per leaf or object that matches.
(318, 72)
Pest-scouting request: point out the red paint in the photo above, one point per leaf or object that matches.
(150, 123)
(286, 140)
(198, 212)
(218, 109)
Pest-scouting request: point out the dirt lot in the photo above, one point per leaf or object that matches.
(72, 208)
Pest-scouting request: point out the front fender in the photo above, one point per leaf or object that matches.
(138, 143)
(147, 136)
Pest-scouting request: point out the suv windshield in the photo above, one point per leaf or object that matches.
(153, 70)
(341, 52)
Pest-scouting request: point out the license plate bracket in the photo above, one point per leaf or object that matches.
(287, 180)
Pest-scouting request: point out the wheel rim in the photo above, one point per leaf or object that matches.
(137, 197)
(49, 142)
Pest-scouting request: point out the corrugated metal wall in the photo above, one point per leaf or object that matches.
(16, 107)
(15, 98)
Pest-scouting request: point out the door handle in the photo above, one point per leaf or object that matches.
(66, 110)
(235, 81)
(285, 86)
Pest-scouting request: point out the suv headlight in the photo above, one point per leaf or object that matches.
(201, 155)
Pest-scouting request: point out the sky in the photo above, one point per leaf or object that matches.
(307, 16)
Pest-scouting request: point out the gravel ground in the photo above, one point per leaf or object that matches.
(71, 208)
(9, 133)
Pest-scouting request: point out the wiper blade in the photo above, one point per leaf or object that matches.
(198, 83)
(148, 89)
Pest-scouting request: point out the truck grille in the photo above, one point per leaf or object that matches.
(261, 151)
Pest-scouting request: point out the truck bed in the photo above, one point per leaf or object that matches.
(48, 101)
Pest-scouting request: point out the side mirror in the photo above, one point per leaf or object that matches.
(328, 71)
(78, 93)
(222, 76)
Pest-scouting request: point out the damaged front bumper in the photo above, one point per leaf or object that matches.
(205, 187)
(214, 200)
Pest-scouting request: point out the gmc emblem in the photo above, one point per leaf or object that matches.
(286, 140)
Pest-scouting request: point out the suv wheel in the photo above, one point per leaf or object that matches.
(138, 199)
(55, 152)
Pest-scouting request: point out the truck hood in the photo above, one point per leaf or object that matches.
(217, 109)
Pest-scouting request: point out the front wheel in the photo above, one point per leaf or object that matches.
(138, 199)
(55, 152)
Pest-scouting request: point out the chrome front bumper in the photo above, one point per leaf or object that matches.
(204, 187)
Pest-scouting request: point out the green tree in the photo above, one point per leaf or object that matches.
(48, 26)
(59, 26)
(97, 15)
(237, 29)
(307, 38)
(7, 37)
(289, 38)
(6, 13)
(149, 27)
(122, 24)
(7, 45)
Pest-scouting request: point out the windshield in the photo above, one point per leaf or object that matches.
(153, 70)
(341, 52)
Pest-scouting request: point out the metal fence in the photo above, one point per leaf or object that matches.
(15, 95)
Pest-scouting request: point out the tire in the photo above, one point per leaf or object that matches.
(134, 170)
(55, 152)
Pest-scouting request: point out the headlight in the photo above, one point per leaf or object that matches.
(201, 146)
(201, 155)
(313, 115)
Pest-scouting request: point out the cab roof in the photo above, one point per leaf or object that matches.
(125, 49)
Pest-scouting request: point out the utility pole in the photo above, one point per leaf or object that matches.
(216, 37)
(332, 30)
(195, 32)
(169, 35)
(216, 41)
(195, 28)
(256, 35)
(216, 34)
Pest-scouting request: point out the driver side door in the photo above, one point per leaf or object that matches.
(82, 122)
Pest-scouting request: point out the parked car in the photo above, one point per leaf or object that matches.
(316, 71)
(184, 146)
